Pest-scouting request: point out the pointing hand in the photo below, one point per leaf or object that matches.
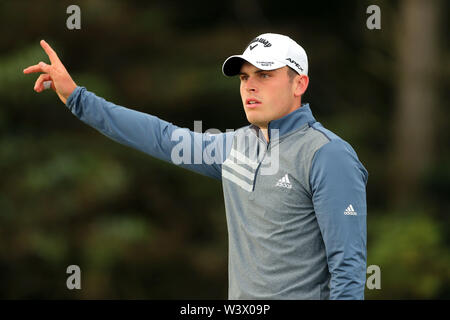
(61, 82)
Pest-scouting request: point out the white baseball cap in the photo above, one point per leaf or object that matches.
(269, 51)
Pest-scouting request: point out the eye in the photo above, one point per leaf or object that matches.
(243, 78)
(265, 75)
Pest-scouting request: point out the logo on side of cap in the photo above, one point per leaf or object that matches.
(295, 63)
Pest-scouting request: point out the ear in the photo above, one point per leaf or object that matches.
(300, 84)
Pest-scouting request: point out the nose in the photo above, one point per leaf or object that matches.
(250, 85)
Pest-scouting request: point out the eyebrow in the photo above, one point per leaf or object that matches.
(258, 71)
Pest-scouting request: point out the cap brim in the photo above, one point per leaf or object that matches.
(232, 65)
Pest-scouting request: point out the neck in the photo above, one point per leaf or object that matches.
(265, 133)
(264, 127)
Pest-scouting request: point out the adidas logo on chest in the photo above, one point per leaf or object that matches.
(284, 182)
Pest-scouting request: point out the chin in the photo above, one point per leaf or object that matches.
(251, 118)
(255, 120)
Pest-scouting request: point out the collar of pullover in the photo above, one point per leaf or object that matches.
(290, 122)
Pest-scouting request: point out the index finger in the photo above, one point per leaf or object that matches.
(50, 52)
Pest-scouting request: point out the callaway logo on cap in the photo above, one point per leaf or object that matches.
(269, 51)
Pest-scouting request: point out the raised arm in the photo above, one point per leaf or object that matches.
(202, 153)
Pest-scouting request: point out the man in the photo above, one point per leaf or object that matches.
(294, 191)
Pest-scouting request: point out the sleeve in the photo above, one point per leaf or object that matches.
(203, 153)
(338, 184)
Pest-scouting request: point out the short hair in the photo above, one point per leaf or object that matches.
(291, 73)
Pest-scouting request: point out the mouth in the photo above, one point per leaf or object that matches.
(252, 103)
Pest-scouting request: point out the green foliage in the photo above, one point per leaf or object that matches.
(410, 250)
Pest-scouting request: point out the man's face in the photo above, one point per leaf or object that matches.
(267, 95)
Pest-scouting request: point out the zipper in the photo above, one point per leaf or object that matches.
(266, 144)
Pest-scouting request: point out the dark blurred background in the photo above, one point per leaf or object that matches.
(140, 228)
